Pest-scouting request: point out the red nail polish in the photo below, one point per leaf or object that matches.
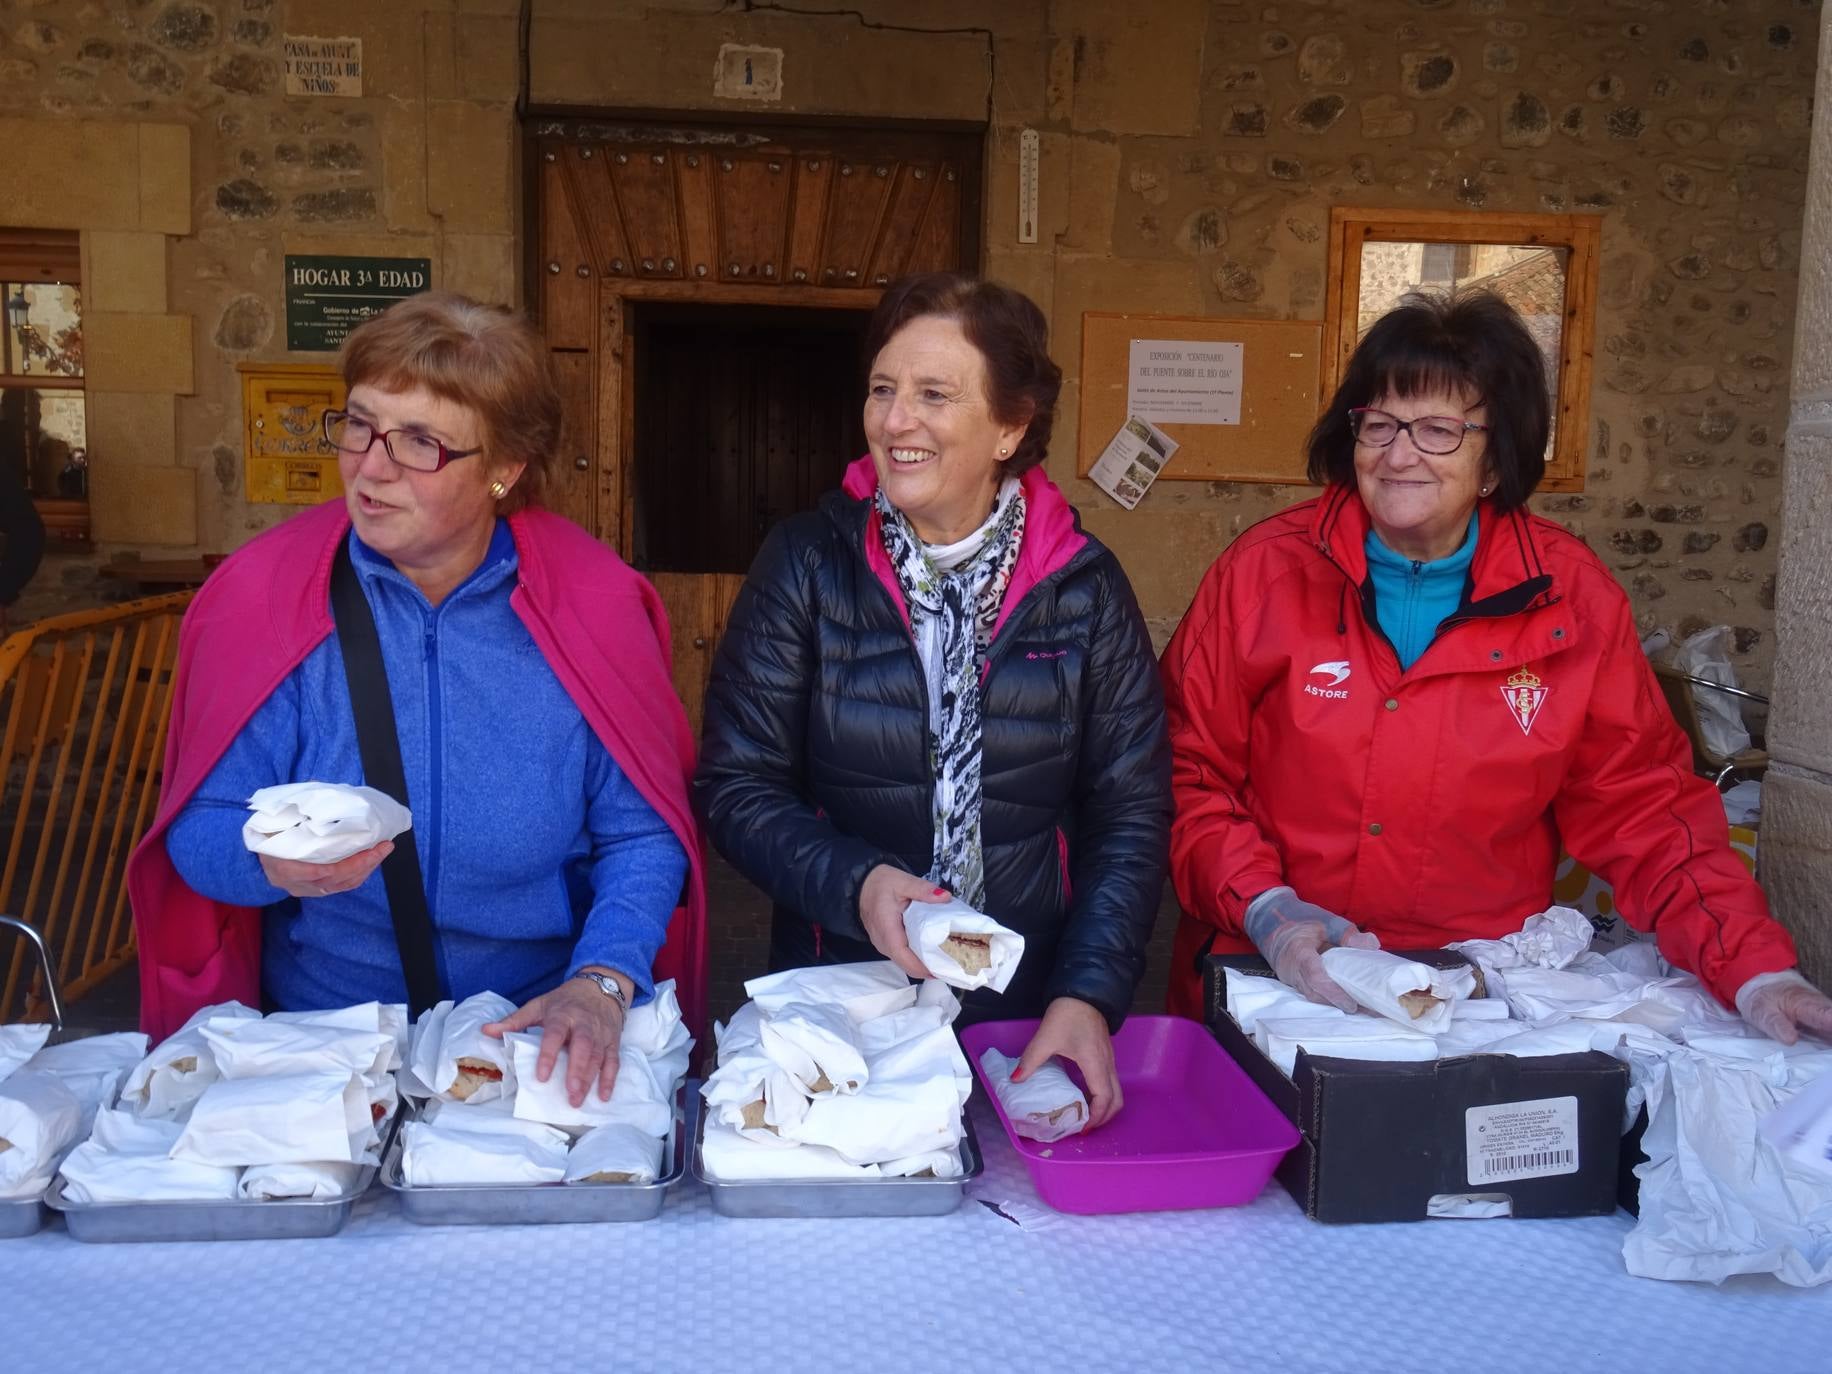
(940, 891)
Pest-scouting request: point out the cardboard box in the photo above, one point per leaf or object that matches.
(1380, 1141)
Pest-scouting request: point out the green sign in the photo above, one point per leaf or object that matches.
(327, 297)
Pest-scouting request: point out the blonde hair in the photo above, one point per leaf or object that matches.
(484, 357)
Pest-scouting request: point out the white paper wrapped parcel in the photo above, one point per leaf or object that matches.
(319, 1182)
(180, 1067)
(1341, 1037)
(1046, 1106)
(454, 1059)
(92, 1068)
(40, 1120)
(755, 1096)
(270, 1048)
(636, 1099)
(321, 822)
(127, 1159)
(614, 1154)
(936, 931)
(287, 1119)
(731, 1158)
(862, 991)
(465, 1146)
(1413, 994)
(18, 1044)
(818, 1045)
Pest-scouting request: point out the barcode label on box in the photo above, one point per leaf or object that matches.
(1511, 1140)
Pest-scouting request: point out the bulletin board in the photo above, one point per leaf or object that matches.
(285, 457)
(1280, 365)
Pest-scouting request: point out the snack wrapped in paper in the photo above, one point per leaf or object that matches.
(1341, 1037)
(288, 1119)
(1253, 995)
(657, 1032)
(92, 1068)
(636, 1099)
(819, 1047)
(730, 1158)
(1046, 1106)
(40, 1120)
(390, 1018)
(1415, 995)
(962, 947)
(886, 1119)
(614, 1154)
(127, 1159)
(180, 1068)
(270, 1048)
(320, 1182)
(742, 1034)
(455, 1059)
(465, 1147)
(862, 991)
(18, 1044)
(321, 822)
(935, 1164)
(753, 1095)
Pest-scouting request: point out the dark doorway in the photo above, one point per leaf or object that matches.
(743, 415)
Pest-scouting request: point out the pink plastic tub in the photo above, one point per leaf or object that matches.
(1195, 1131)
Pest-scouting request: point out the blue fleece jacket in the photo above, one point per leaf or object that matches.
(1412, 598)
(538, 854)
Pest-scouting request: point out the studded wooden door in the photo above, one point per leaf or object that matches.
(629, 218)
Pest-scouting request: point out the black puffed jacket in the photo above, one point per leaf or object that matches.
(814, 763)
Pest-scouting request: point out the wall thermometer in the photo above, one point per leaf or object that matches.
(1027, 186)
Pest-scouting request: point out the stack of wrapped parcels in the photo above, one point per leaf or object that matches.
(49, 1096)
(235, 1105)
(846, 1071)
(1717, 1196)
(485, 1118)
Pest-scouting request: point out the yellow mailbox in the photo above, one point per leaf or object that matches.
(285, 456)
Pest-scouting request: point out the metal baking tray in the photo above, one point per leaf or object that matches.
(840, 1197)
(238, 1219)
(21, 1216)
(539, 1204)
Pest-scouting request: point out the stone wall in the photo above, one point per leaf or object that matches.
(1190, 153)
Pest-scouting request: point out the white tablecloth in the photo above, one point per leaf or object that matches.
(1253, 1288)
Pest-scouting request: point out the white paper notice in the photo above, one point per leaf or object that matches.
(1178, 382)
(1132, 461)
(1510, 1140)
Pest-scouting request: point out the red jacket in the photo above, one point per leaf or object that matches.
(1429, 805)
(600, 627)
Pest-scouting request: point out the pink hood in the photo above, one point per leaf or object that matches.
(1051, 537)
(601, 628)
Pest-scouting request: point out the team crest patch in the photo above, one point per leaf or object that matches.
(1524, 694)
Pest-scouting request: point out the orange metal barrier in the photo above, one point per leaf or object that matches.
(85, 699)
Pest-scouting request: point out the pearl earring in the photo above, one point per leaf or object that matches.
(498, 490)
(1003, 452)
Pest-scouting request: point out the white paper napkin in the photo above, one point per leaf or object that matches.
(962, 947)
(324, 1181)
(286, 1119)
(40, 1120)
(755, 1096)
(1046, 1106)
(1343, 1037)
(862, 991)
(321, 822)
(614, 1154)
(485, 1147)
(728, 1156)
(127, 1159)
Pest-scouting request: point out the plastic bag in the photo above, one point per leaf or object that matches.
(1720, 720)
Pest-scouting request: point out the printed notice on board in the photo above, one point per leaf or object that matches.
(1180, 382)
(1132, 461)
(1510, 1140)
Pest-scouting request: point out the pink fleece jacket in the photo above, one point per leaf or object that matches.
(601, 628)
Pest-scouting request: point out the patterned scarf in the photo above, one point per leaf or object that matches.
(952, 614)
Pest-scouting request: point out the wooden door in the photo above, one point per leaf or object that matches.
(635, 218)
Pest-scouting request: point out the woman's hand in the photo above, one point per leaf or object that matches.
(1073, 1029)
(882, 899)
(297, 878)
(1783, 1006)
(579, 1018)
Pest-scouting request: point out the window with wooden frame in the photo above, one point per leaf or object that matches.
(1545, 266)
(43, 429)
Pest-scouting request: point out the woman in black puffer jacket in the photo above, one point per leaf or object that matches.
(937, 683)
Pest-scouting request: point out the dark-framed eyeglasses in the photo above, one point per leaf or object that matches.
(1437, 434)
(411, 449)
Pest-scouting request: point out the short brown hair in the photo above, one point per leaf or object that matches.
(1022, 383)
(1469, 340)
(483, 357)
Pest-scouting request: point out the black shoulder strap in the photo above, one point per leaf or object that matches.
(380, 748)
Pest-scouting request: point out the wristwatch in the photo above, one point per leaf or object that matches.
(608, 985)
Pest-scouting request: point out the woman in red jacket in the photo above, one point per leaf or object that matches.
(1390, 705)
